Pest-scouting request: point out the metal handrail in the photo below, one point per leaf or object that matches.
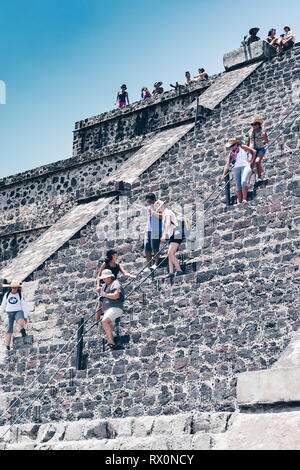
(280, 122)
(46, 366)
(165, 244)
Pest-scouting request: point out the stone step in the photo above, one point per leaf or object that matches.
(116, 433)
(127, 399)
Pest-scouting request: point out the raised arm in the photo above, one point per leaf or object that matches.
(166, 229)
(126, 274)
(226, 167)
(250, 150)
(3, 306)
(99, 275)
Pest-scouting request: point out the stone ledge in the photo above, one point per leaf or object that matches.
(139, 105)
(185, 427)
(20, 343)
(264, 431)
(246, 55)
(268, 387)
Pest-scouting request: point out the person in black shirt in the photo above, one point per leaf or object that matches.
(110, 262)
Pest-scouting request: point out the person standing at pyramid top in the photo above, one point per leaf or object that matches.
(13, 304)
(122, 96)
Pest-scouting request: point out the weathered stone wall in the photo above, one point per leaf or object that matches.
(38, 198)
(137, 119)
(187, 342)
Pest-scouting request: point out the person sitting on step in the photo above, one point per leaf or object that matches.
(13, 304)
(170, 233)
(257, 140)
(158, 89)
(238, 156)
(188, 78)
(202, 75)
(286, 41)
(251, 38)
(112, 299)
(271, 38)
(145, 93)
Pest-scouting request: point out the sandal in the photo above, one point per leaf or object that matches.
(109, 347)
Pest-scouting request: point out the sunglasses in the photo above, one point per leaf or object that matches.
(255, 124)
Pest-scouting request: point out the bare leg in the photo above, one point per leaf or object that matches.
(108, 328)
(21, 323)
(8, 339)
(173, 261)
(156, 258)
(258, 164)
(245, 192)
(148, 256)
(239, 196)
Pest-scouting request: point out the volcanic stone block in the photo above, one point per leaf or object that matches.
(19, 342)
(268, 387)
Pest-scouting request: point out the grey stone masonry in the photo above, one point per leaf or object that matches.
(234, 311)
(40, 250)
(246, 54)
(152, 151)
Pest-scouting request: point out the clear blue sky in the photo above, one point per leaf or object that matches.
(64, 60)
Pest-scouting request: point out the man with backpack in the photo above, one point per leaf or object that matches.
(13, 305)
(152, 232)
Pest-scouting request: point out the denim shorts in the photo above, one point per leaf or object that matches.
(11, 318)
(262, 150)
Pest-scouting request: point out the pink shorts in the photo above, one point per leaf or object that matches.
(121, 104)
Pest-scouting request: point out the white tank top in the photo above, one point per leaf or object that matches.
(242, 158)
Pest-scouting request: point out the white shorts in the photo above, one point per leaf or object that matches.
(112, 313)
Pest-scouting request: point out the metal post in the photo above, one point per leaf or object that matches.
(227, 189)
(196, 117)
(79, 345)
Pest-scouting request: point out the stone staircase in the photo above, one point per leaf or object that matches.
(234, 311)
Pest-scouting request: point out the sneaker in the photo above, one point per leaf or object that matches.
(23, 333)
(7, 348)
(244, 200)
(147, 270)
(179, 273)
(170, 275)
(154, 266)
